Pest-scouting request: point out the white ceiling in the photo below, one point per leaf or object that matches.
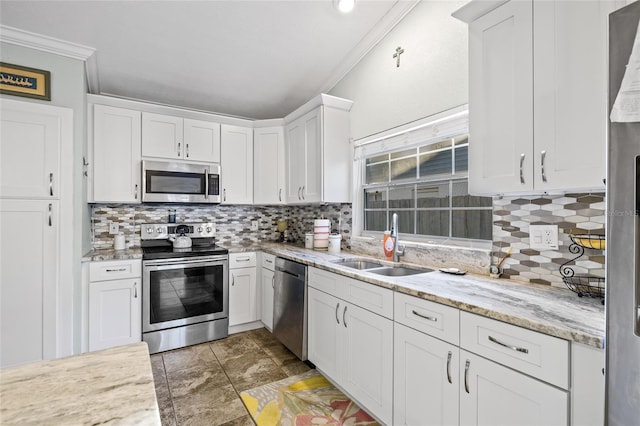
(255, 59)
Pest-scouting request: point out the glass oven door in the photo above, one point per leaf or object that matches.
(184, 291)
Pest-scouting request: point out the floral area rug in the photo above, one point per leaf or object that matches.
(303, 400)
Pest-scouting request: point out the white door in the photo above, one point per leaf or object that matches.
(368, 359)
(491, 394)
(268, 165)
(116, 154)
(312, 183)
(115, 313)
(242, 296)
(267, 281)
(28, 280)
(325, 338)
(30, 143)
(201, 141)
(425, 379)
(236, 164)
(295, 160)
(162, 136)
(570, 94)
(501, 100)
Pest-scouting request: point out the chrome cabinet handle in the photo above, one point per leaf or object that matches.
(135, 290)
(273, 282)
(449, 367)
(344, 320)
(543, 154)
(337, 307)
(179, 149)
(50, 208)
(116, 270)
(303, 193)
(243, 259)
(434, 319)
(521, 168)
(466, 376)
(51, 184)
(135, 195)
(280, 194)
(233, 280)
(269, 261)
(299, 188)
(186, 147)
(513, 348)
(224, 194)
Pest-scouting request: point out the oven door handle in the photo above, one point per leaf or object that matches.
(181, 263)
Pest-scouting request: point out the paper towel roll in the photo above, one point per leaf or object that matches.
(321, 231)
(119, 242)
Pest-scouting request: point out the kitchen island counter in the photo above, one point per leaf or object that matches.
(551, 310)
(112, 386)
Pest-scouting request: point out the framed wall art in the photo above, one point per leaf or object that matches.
(24, 81)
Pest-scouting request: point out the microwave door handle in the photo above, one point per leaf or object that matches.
(206, 184)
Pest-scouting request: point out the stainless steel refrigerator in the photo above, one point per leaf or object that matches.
(623, 225)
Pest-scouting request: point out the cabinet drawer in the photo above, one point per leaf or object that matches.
(428, 317)
(114, 270)
(539, 355)
(242, 260)
(323, 280)
(268, 261)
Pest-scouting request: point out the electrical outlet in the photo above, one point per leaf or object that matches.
(543, 237)
(254, 225)
(113, 228)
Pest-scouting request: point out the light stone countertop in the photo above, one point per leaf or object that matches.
(555, 311)
(113, 386)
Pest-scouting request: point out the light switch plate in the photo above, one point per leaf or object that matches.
(543, 237)
(254, 225)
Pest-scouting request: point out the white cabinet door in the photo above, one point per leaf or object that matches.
(268, 166)
(236, 164)
(116, 155)
(28, 283)
(267, 282)
(201, 141)
(368, 360)
(115, 313)
(242, 296)
(426, 379)
(587, 390)
(324, 334)
(162, 136)
(501, 100)
(30, 143)
(570, 96)
(313, 160)
(491, 394)
(295, 159)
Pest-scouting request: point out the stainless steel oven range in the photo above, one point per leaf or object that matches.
(185, 291)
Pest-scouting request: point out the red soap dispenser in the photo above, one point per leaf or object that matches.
(388, 244)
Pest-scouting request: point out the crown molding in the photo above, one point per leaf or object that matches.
(55, 46)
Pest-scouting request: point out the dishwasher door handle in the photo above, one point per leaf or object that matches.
(297, 276)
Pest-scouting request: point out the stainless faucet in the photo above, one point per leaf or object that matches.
(397, 251)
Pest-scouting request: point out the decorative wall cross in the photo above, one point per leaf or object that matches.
(399, 51)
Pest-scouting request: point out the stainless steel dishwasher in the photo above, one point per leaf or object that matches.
(290, 306)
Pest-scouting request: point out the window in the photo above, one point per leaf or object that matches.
(426, 185)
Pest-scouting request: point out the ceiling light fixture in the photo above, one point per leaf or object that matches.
(344, 6)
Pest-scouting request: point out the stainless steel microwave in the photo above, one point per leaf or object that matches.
(171, 182)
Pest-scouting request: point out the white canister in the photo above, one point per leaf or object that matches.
(321, 231)
(308, 240)
(119, 242)
(334, 243)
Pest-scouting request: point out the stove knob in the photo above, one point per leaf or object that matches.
(208, 229)
(199, 228)
(159, 230)
(149, 230)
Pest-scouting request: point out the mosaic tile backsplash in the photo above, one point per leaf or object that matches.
(512, 216)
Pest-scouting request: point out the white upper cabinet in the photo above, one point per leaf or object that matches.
(115, 158)
(29, 153)
(236, 164)
(318, 152)
(537, 95)
(268, 165)
(165, 136)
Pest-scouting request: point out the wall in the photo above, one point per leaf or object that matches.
(432, 76)
(68, 89)
(233, 223)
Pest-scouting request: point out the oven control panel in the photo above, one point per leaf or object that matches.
(162, 231)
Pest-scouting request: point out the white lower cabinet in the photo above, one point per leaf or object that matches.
(492, 394)
(426, 380)
(115, 304)
(243, 288)
(354, 348)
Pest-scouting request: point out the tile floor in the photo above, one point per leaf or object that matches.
(200, 385)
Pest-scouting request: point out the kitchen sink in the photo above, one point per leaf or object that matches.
(359, 263)
(399, 271)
